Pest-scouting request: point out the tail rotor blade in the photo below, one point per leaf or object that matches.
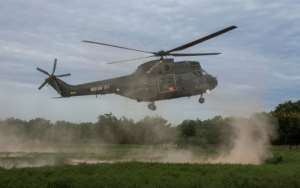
(43, 71)
(63, 75)
(43, 84)
(52, 78)
(54, 66)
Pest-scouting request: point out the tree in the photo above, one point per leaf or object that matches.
(188, 128)
(288, 116)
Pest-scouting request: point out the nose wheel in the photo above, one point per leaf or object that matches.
(201, 100)
(152, 106)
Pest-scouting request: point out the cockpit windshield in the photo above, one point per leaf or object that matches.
(200, 72)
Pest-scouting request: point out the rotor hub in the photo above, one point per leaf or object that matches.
(161, 53)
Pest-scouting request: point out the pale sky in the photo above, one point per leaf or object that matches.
(258, 69)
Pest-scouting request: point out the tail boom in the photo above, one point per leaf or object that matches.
(93, 88)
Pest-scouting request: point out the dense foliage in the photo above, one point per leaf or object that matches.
(150, 130)
(215, 131)
(288, 117)
(108, 129)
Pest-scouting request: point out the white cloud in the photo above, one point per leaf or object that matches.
(286, 77)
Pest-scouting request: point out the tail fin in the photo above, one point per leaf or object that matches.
(60, 86)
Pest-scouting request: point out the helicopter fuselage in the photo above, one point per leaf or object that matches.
(152, 81)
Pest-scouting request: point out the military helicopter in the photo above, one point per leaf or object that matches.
(159, 79)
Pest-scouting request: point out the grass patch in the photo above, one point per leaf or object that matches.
(136, 174)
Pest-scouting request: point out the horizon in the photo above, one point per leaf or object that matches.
(155, 116)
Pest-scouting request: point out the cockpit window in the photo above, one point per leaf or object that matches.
(197, 72)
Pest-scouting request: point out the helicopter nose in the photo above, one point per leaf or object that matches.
(213, 82)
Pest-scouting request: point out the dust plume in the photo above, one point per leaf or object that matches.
(244, 141)
(251, 141)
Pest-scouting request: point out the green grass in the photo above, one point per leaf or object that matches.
(136, 174)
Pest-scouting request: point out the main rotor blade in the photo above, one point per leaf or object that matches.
(54, 66)
(63, 75)
(127, 60)
(43, 84)
(116, 46)
(43, 71)
(190, 44)
(58, 97)
(193, 54)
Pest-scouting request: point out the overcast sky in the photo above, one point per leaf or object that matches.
(258, 69)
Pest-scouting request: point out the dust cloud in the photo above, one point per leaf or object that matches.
(249, 143)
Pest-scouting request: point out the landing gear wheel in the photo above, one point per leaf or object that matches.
(201, 100)
(152, 106)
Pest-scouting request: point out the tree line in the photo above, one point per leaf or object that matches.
(109, 129)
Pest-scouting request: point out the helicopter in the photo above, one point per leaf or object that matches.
(159, 79)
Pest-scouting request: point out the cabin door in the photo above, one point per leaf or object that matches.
(167, 83)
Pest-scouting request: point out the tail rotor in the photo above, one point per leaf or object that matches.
(51, 76)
